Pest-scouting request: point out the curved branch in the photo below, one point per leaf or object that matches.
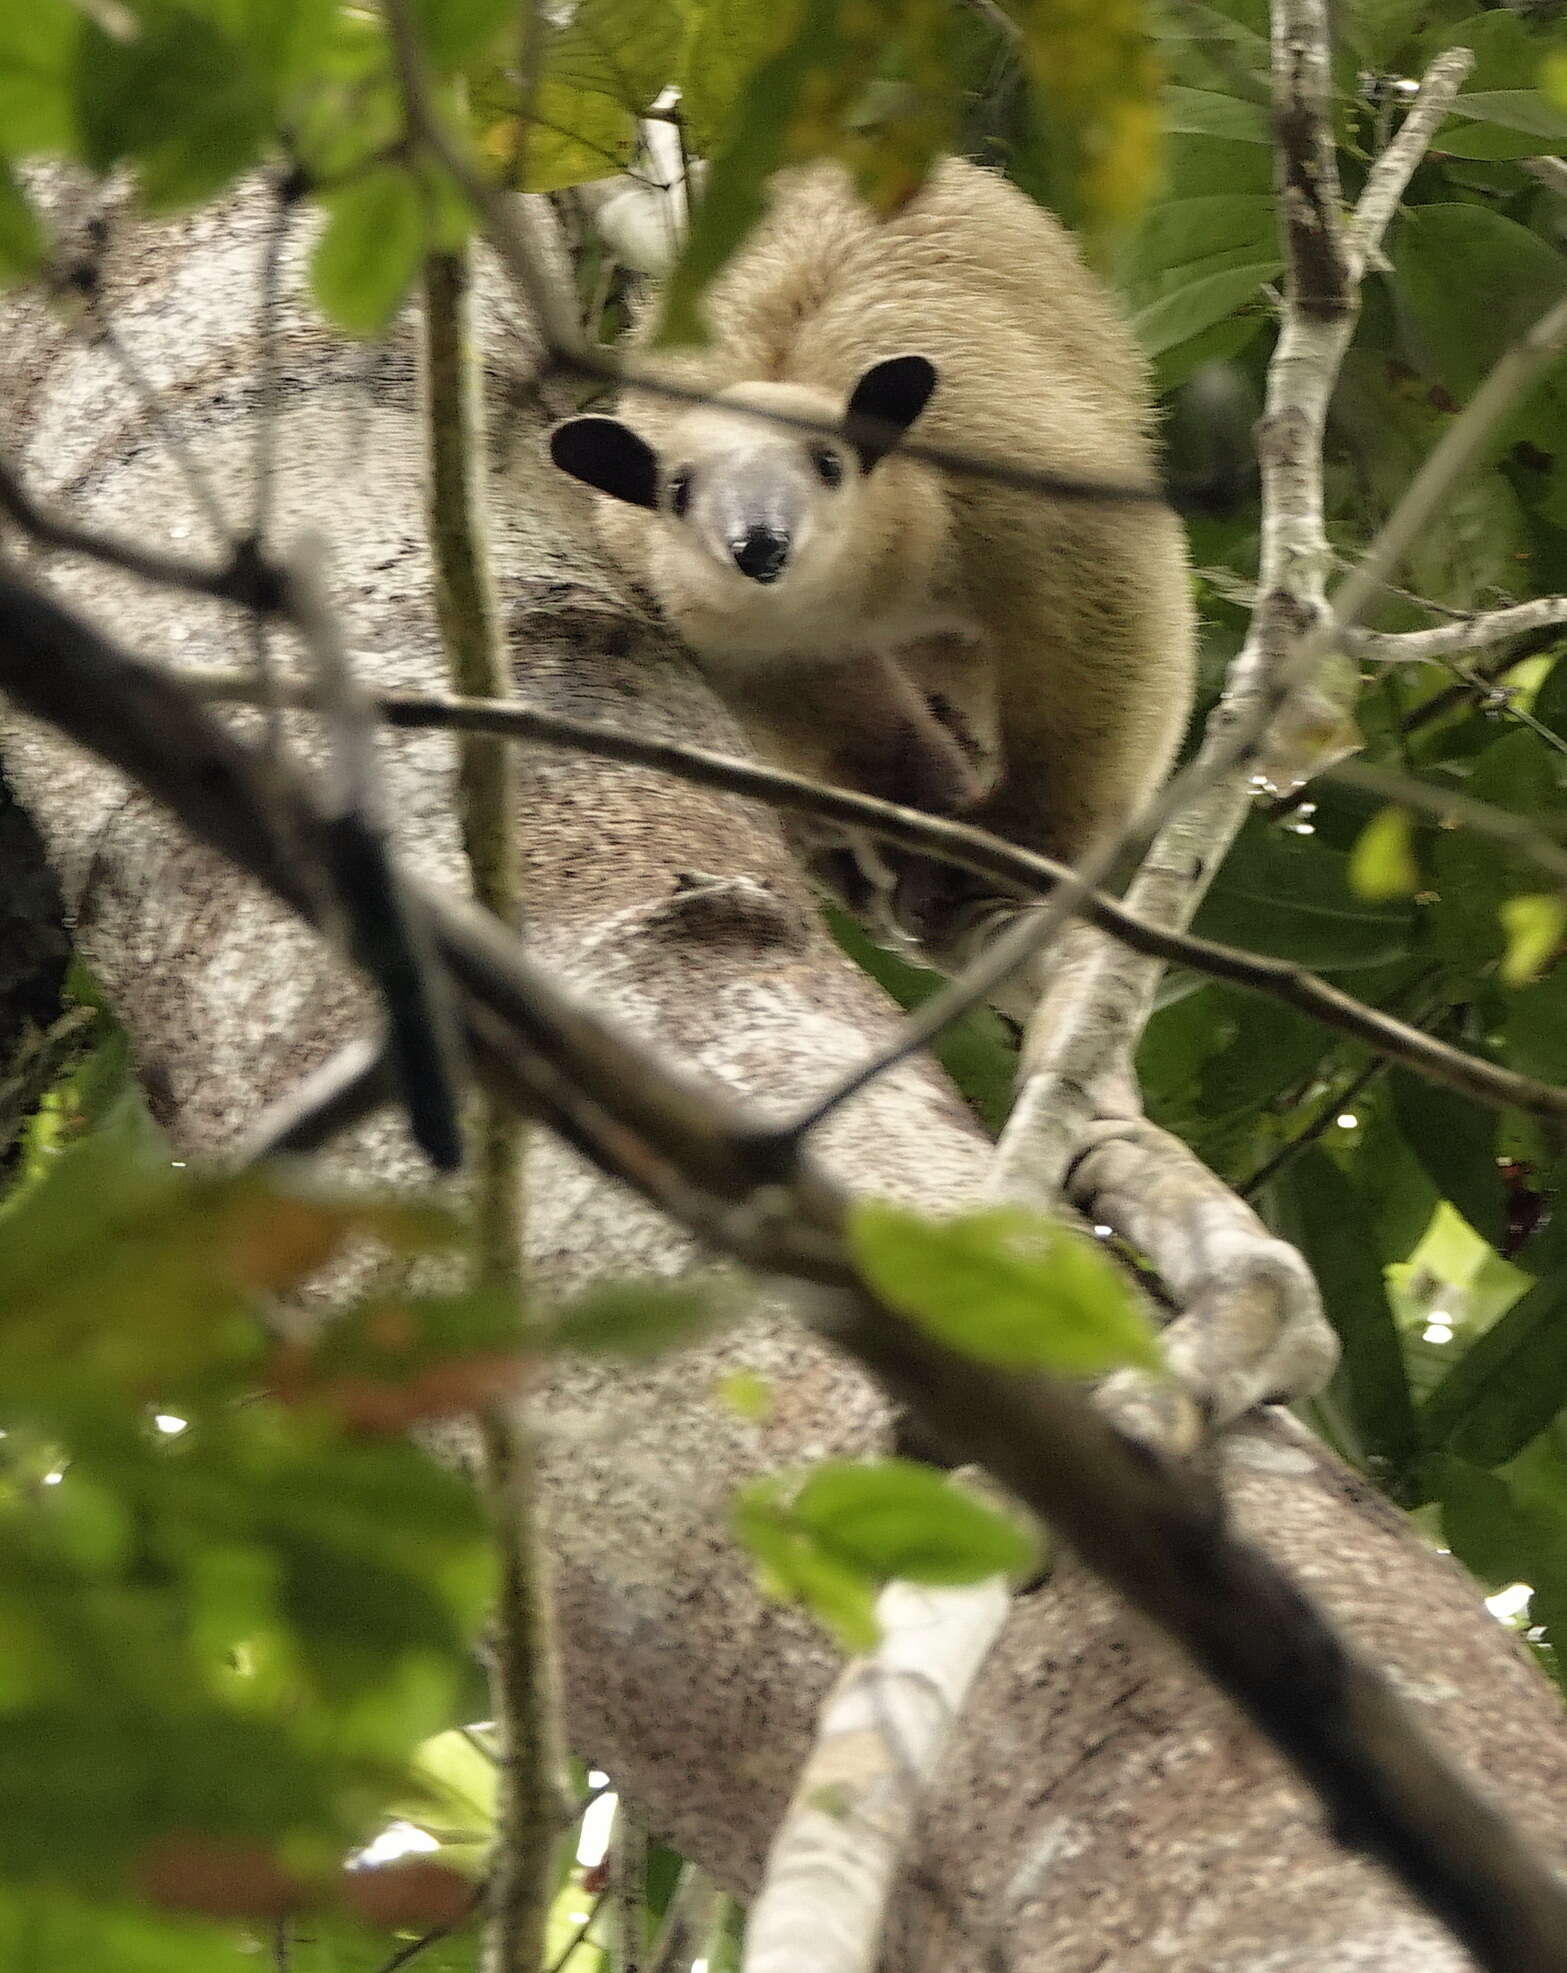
(970, 848)
(1451, 640)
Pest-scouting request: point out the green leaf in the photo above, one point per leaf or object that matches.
(1183, 238)
(38, 43)
(726, 41)
(1503, 123)
(632, 1318)
(1097, 80)
(1290, 896)
(894, 1519)
(142, 1276)
(797, 104)
(1509, 1384)
(367, 258)
(1534, 927)
(1535, 1033)
(1323, 1214)
(793, 1567)
(627, 50)
(180, 98)
(454, 31)
(1481, 1522)
(1473, 878)
(574, 135)
(1382, 864)
(1446, 255)
(22, 250)
(1175, 317)
(50, 1929)
(732, 199)
(1455, 1140)
(1204, 113)
(1003, 1285)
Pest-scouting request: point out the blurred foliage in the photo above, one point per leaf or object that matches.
(274, 1581)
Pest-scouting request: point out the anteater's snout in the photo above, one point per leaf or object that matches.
(761, 554)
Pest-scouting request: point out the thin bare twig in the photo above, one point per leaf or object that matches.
(354, 1081)
(244, 579)
(970, 848)
(406, 1955)
(162, 418)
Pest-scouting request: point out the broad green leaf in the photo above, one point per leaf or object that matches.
(1481, 1521)
(1503, 123)
(1382, 864)
(725, 41)
(1203, 113)
(1446, 255)
(1455, 1139)
(38, 43)
(1534, 927)
(573, 135)
(50, 1928)
(1535, 1032)
(628, 50)
(1324, 1215)
(141, 1276)
(1474, 878)
(799, 103)
(1003, 1285)
(1186, 238)
(1187, 312)
(180, 98)
(1289, 896)
(454, 31)
(1379, 30)
(21, 238)
(1097, 78)
(366, 260)
(792, 1566)
(632, 1318)
(895, 1519)
(1509, 1384)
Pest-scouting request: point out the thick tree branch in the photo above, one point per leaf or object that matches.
(1155, 1530)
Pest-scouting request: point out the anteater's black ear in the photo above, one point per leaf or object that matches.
(886, 401)
(609, 455)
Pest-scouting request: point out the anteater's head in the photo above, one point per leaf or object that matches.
(755, 495)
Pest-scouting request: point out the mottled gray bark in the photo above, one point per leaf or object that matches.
(1100, 1808)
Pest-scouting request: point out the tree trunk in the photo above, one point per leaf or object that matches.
(1101, 1807)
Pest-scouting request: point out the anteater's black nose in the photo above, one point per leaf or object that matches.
(761, 555)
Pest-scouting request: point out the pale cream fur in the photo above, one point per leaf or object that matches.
(1072, 622)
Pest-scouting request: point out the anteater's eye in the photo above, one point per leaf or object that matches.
(679, 493)
(829, 467)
